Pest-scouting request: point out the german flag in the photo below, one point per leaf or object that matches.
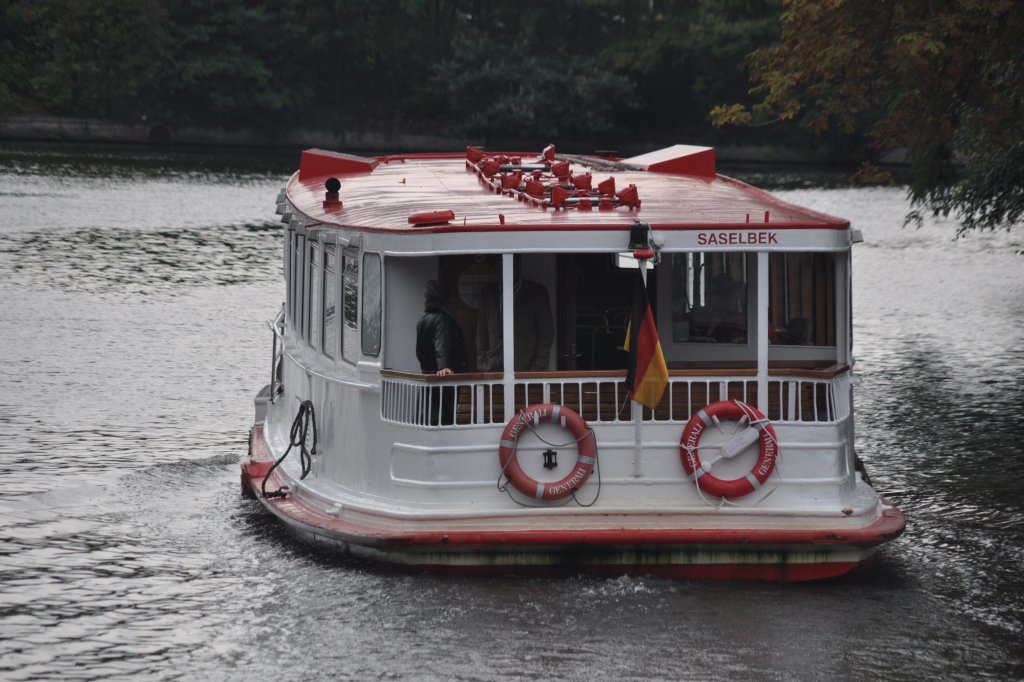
(647, 375)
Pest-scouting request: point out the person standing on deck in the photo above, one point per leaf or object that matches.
(440, 348)
(534, 329)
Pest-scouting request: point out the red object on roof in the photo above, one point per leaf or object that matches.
(317, 163)
(683, 159)
(431, 217)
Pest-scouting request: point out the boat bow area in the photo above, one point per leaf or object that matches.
(532, 456)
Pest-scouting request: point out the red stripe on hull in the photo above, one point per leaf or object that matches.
(786, 573)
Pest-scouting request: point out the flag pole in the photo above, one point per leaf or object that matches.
(638, 409)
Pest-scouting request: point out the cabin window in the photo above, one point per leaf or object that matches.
(709, 297)
(312, 291)
(329, 297)
(802, 299)
(299, 259)
(350, 303)
(289, 251)
(371, 304)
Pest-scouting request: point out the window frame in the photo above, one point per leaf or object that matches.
(350, 288)
(376, 305)
(329, 285)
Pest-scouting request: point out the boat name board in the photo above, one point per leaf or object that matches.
(738, 238)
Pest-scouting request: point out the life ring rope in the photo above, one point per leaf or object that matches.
(756, 423)
(586, 458)
(697, 470)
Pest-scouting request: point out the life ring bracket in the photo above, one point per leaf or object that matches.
(759, 429)
(586, 451)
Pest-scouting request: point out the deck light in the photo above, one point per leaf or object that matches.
(639, 236)
(640, 242)
(583, 181)
(560, 169)
(474, 155)
(629, 197)
(558, 196)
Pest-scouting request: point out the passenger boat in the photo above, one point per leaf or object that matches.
(736, 458)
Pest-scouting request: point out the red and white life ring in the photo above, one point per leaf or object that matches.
(768, 451)
(586, 451)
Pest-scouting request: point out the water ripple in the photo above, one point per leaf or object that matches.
(134, 285)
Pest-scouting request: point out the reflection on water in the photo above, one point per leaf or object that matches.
(134, 285)
(122, 260)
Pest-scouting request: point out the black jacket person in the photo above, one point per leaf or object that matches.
(440, 349)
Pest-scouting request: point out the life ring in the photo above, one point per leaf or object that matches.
(586, 451)
(768, 451)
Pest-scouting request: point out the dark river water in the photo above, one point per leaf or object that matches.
(134, 286)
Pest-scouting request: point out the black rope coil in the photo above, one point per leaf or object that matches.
(298, 436)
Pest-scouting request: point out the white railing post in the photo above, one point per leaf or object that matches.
(508, 342)
(762, 331)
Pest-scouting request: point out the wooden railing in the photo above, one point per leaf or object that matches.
(794, 395)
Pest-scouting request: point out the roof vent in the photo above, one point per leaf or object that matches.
(331, 199)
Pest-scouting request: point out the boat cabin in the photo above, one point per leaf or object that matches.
(750, 295)
(736, 459)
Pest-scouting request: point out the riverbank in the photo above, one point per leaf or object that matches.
(55, 129)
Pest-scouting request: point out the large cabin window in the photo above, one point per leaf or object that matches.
(350, 303)
(371, 304)
(329, 298)
(802, 298)
(300, 274)
(709, 297)
(312, 289)
(289, 257)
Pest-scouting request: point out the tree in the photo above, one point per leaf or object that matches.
(227, 51)
(942, 79)
(686, 55)
(518, 71)
(103, 58)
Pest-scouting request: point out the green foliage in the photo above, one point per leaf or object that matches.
(943, 80)
(491, 68)
(102, 58)
(509, 91)
(225, 53)
(686, 55)
(14, 56)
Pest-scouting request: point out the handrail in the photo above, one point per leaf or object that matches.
(325, 377)
(478, 399)
(450, 379)
(823, 373)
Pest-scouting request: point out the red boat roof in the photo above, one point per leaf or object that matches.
(675, 189)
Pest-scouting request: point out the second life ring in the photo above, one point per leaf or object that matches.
(760, 429)
(586, 449)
